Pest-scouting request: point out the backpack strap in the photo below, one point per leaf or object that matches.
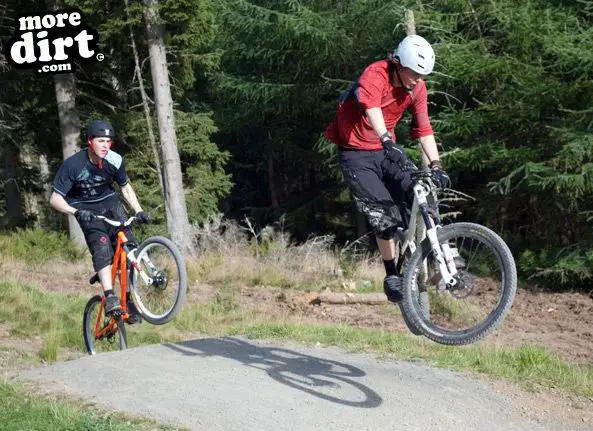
(352, 91)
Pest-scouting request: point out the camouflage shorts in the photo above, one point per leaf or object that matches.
(379, 187)
(101, 237)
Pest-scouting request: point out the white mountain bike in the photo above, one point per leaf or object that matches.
(460, 279)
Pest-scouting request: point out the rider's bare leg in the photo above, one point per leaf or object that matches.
(387, 248)
(111, 300)
(392, 281)
(105, 278)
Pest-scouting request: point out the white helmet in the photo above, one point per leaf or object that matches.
(415, 53)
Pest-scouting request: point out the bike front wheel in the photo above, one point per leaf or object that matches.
(423, 301)
(161, 299)
(481, 299)
(102, 333)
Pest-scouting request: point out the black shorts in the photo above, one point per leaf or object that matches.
(101, 237)
(379, 187)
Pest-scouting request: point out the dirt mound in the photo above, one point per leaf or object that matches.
(562, 322)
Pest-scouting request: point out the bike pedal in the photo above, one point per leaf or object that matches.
(134, 319)
(116, 314)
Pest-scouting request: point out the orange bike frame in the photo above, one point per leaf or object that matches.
(120, 260)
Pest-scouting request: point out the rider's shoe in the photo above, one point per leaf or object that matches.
(134, 315)
(112, 304)
(393, 286)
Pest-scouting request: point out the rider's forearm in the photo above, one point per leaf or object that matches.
(59, 204)
(130, 197)
(429, 145)
(377, 121)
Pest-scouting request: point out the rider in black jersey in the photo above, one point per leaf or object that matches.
(84, 188)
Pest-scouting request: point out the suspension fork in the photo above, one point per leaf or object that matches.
(134, 262)
(442, 252)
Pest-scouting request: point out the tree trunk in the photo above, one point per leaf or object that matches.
(116, 84)
(12, 194)
(70, 128)
(409, 22)
(29, 195)
(45, 182)
(175, 206)
(272, 181)
(349, 298)
(147, 114)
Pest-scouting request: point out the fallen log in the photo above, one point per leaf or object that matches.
(349, 298)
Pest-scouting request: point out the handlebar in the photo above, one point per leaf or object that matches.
(422, 175)
(117, 223)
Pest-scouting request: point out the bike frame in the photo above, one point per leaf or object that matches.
(120, 267)
(426, 226)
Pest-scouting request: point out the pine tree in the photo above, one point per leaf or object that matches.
(26, 136)
(283, 66)
(514, 96)
(111, 89)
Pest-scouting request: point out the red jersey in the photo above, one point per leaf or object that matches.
(351, 127)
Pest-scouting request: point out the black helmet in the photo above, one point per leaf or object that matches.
(99, 129)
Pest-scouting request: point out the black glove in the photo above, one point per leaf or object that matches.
(142, 217)
(394, 153)
(84, 215)
(440, 177)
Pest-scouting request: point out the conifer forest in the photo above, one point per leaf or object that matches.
(253, 84)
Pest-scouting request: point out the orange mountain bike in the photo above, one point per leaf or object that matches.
(155, 278)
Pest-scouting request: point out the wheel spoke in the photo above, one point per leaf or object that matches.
(160, 299)
(101, 332)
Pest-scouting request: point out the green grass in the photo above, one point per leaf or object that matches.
(30, 312)
(36, 246)
(20, 410)
(57, 319)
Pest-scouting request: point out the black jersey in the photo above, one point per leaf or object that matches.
(78, 180)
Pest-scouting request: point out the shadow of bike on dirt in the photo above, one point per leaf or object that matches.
(326, 379)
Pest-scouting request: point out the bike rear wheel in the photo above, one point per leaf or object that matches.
(162, 299)
(487, 283)
(102, 333)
